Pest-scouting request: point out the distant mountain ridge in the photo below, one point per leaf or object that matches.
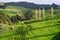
(28, 5)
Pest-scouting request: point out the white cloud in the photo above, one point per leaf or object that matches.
(35, 1)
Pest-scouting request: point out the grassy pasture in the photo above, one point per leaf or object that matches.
(7, 12)
(44, 30)
(39, 30)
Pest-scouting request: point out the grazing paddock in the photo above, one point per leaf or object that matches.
(42, 25)
(45, 30)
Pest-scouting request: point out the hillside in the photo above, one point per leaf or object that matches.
(32, 31)
(4, 19)
(29, 5)
(18, 22)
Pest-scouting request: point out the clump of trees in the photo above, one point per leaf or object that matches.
(27, 16)
(15, 18)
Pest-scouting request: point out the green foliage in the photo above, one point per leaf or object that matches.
(31, 31)
(28, 15)
(10, 13)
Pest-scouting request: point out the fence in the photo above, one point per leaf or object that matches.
(40, 14)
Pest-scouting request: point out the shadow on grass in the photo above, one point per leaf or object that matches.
(29, 37)
(42, 36)
(56, 37)
(8, 36)
(44, 27)
(30, 30)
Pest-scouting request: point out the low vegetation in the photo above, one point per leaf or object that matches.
(21, 24)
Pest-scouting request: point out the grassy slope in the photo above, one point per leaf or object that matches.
(40, 31)
(44, 30)
(10, 13)
(22, 10)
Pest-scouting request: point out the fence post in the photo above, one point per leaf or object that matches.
(40, 14)
(36, 14)
(52, 12)
(43, 13)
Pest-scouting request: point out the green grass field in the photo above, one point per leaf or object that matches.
(8, 12)
(32, 29)
(44, 30)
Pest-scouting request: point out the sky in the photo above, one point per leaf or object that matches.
(35, 1)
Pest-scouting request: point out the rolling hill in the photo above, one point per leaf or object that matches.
(28, 29)
(30, 5)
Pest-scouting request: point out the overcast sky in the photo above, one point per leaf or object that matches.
(35, 1)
